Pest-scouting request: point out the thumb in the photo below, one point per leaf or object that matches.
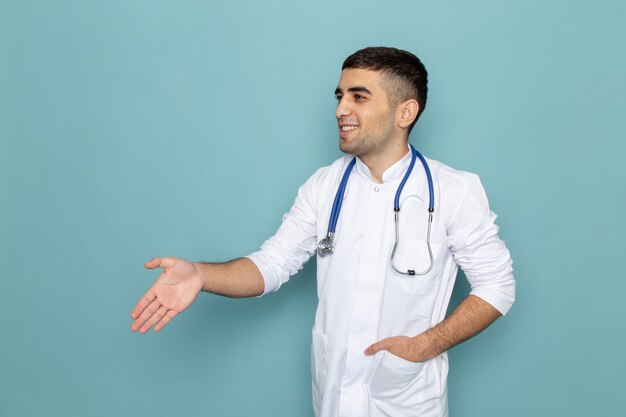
(160, 263)
(378, 346)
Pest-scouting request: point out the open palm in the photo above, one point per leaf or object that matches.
(175, 290)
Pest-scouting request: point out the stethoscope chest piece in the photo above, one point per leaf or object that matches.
(326, 246)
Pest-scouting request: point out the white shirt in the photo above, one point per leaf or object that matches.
(362, 299)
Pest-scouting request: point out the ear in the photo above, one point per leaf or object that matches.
(407, 112)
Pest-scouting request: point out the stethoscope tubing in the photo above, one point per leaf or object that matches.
(326, 245)
(334, 214)
(429, 178)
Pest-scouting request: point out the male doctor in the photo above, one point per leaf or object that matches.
(380, 337)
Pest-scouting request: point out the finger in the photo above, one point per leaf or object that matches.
(160, 263)
(146, 314)
(143, 302)
(378, 346)
(166, 319)
(155, 318)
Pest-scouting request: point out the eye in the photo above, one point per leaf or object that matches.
(359, 97)
(338, 97)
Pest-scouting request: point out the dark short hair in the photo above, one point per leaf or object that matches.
(405, 74)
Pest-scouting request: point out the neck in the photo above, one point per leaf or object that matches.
(378, 163)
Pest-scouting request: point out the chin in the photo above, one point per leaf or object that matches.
(352, 148)
(346, 148)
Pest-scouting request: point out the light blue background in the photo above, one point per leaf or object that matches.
(132, 129)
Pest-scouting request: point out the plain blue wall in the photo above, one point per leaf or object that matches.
(132, 129)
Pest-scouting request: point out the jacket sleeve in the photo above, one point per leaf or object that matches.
(284, 254)
(477, 249)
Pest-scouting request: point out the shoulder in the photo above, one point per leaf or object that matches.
(327, 176)
(320, 186)
(459, 191)
(447, 176)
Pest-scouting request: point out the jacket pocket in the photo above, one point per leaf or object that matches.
(398, 387)
(394, 378)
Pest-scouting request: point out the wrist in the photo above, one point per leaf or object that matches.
(423, 347)
(201, 276)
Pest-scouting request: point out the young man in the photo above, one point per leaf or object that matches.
(380, 336)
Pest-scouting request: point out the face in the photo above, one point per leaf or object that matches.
(366, 121)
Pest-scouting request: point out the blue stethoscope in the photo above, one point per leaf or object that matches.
(326, 245)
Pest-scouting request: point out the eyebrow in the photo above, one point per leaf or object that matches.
(356, 89)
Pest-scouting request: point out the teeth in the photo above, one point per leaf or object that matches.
(348, 128)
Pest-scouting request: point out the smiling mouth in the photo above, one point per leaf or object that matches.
(348, 128)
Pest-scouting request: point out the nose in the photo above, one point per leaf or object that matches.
(343, 109)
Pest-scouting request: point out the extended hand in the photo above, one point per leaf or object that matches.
(402, 346)
(176, 289)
